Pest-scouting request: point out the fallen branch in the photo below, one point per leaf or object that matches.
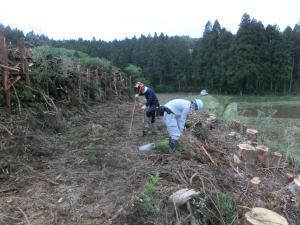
(5, 128)
(45, 97)
(121, 209)
(206, 152)
(7, 190)
(15, 81)
(19, 104)
(208, 155)
(51, 103)
(26, 218)
(10, 217)
(236, 170)
(41, 176)
(10, 68)
(268, 168)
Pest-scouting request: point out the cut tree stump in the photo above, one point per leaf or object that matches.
(233, 134)
(211, 119)
(247, 154)
(252, 135)
(181, 196)
(262, 216)
(237, 159)
(211, 122)
(294, 187)
(262, 155)
(290, 177)
(275, 159)
(254, 184)
(238, 126)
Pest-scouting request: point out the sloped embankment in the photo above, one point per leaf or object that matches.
(225, 167)
(91, 173)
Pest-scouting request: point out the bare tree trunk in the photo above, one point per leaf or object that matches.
(79, 84)
(160, 81)
(47, 78)
(5, 70)
(291, 77)
(98, 84)
(271, 86)
(24, 63)
(88, 83)
(179, 84)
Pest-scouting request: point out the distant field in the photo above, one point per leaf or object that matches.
(165, 97)
(276, 118)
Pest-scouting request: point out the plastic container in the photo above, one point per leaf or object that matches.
(146, 147)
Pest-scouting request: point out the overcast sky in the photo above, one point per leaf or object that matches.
(117, 19)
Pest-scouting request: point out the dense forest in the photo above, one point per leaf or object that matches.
(256, 60)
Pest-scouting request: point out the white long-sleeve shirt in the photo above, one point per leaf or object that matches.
(181, 109)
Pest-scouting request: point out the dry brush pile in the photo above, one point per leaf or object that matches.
(45, 74)
(38, 81)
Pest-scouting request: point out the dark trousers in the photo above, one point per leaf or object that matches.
(151, 113)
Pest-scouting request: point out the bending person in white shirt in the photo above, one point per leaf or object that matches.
(174, 115)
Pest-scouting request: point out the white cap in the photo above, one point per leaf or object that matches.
(198, 104)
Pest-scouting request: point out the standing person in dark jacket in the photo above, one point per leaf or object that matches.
(151, 103)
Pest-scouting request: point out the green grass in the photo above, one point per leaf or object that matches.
(279, 134)
(219, 103)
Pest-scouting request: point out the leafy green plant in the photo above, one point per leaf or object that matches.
(148, 205)
(93, 139)
(201, 132)
(218, 208)
(161, 145)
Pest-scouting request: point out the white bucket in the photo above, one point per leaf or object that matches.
(146, 147)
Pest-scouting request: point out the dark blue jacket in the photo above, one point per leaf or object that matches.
(150, 97)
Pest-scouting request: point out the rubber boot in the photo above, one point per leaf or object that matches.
(146, 128)
(173, 145)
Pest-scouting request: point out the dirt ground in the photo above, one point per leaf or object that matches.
(91, 172)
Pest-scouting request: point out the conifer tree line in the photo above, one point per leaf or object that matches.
(256, 60)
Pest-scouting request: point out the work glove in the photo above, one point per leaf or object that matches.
(144, 107)
(136, 95)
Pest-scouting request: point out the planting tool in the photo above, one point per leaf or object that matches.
(132, 116)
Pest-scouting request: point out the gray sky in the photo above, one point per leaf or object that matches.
(117, 19)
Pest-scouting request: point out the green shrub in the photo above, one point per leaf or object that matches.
(218, 209)
(148, 206)
(93, 139)
(201, 132)
(161, 145)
